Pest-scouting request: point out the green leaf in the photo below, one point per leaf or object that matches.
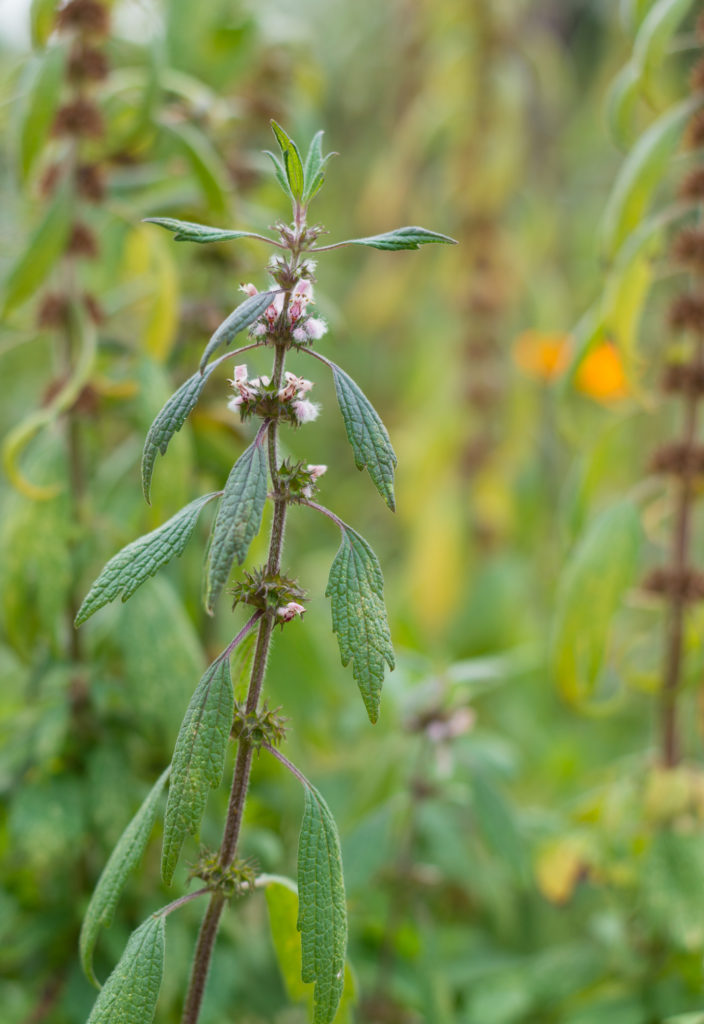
(621, 103)
(400, 238)
(198, 761)
(130, 994)
(132, 566)
(322, 915)
(654, 34)
(671, 891)
(123, 859)
(641, 173)
(239, 517)
(292, 160)
(597, 574)
(356, 589)
(168, 422)
(242, 316)
(39, 108)
(367, 435)
(187, 231)
(314, 169)
(42, 15)
(45, 247)
(279, 172)
(205, 162)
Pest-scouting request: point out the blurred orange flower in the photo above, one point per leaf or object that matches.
(544, 356)
(541, 354)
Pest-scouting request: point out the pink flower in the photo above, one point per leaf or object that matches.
(299, 334)
(315, 327)
(258, 330)
(249, 289)
(289, 611)
(316, 471)
(306, 411)
(302, 293)
(235, 403)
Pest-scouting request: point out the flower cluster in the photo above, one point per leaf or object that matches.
(270, 592)
(262, 398)
(303, 329)
(298, 480)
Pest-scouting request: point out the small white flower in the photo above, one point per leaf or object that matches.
(235, 403)
(258, 330)
(299, 334)
(304, 386)
(249, 289)
(306, 411)
(315, 327)
(240, 375)
(316, 471)
(289, 611)
(302, 293)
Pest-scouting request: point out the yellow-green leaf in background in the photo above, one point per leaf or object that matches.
(37, 114)
(43, 250)
(205, 163)
(597, 574)
(41, 21)
(149, 257)
(654, 34)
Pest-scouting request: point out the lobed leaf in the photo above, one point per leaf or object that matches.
(198, 761)
(242, 316)
(239, 517)
(292, 160)
(129, 568)
(187, 231)
(356, 589)
(168, 422)
(43, 250)
(401, 238)
(367, 434)
(322, 915)
(130, 994)
(40, 108)
(123, 859)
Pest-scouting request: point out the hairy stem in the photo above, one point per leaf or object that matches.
(243, 762)
(670, 742)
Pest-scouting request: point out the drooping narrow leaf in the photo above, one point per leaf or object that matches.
(401, 238)
(123, 859)
(658, 27)
(39, 107)
(356, 590)
(130, 994)
(239, 517)
(42, 15)
(205, 162)
(168, 422)
(322, 914)
(641, 172)
(367, 435)
(242, 316)
(621, 103)
(129, 568)
(43, 250)
(198, 761)
(187, 231)
(292, 160)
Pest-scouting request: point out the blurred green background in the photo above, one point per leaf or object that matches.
(513, 852)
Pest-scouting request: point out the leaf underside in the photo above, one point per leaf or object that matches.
(198, 761)
(130, 994)
(188, 231)
(411, 237)
(238, 519)
(242, 316)
(356, 589)
(322, 915)
(367, 434)
(123, 859)
(132, 566)
(168, 422)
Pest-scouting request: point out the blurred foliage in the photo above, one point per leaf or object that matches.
(513, 851)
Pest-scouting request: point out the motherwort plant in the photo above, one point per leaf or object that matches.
(282, 319)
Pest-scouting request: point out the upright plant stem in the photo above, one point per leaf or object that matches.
(243, 763)
(670, 744)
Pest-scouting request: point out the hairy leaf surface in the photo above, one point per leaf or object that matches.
(367, 435)
(130, 994)
(198, 761)
(239, 517)
(356, 589)
(168, 422)
(401, 238)
(123, 859)
(322, 915)
(141, 559)
(187, 231)
(244, 315)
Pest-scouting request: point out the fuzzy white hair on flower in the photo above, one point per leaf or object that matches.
(306, 411)
(316, 471)
(299, 334)
(289, 611)
(315, 328)
(249, 289)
